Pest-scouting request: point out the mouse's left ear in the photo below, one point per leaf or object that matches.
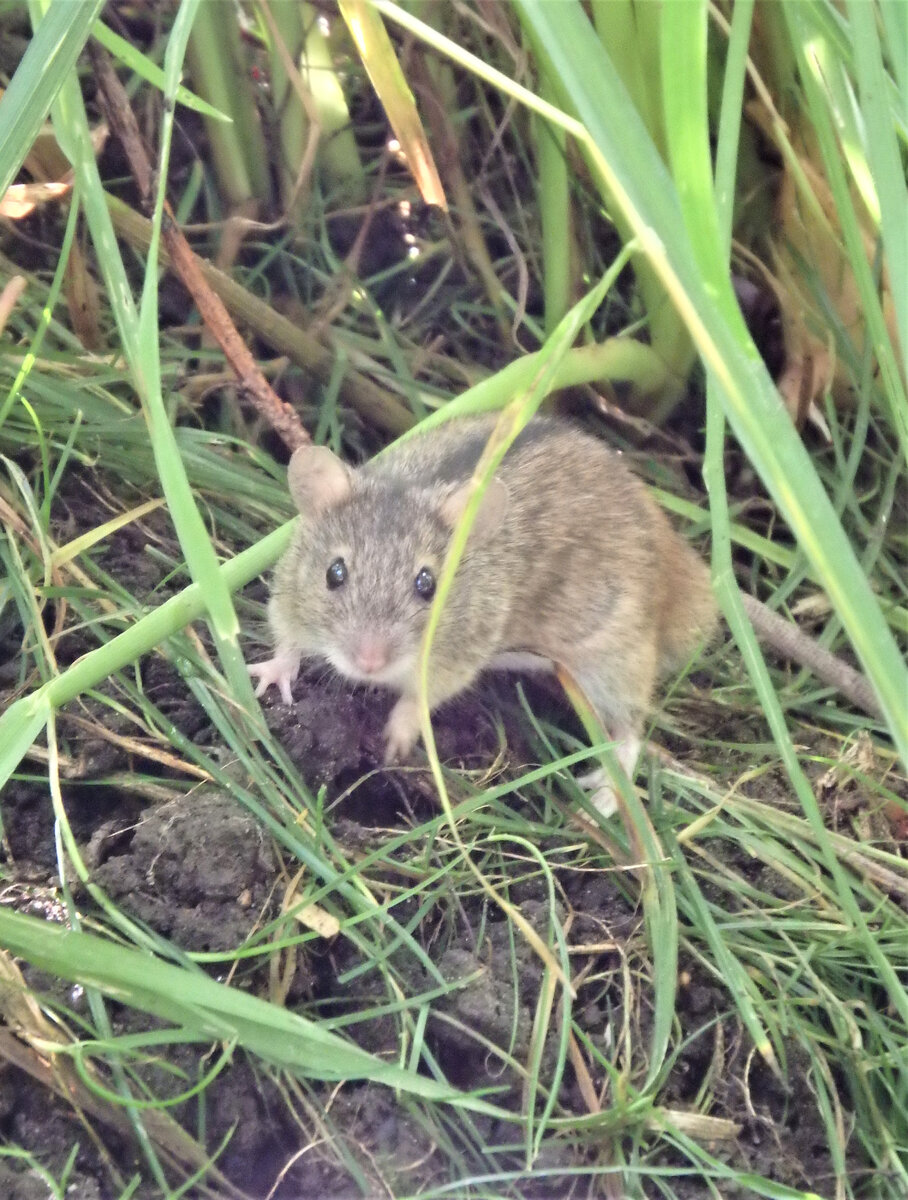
(492, 508)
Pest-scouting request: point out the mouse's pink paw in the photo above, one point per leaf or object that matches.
(402, 730)
(280, 671)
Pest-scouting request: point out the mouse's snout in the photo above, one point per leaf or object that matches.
(373, 656)
(371, 653)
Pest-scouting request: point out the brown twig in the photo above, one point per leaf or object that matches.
(252, 383)
(378, 406)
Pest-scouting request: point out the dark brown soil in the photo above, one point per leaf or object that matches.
(148, 860)
(198, 870)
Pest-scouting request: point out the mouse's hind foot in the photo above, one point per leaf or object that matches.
(599, 782)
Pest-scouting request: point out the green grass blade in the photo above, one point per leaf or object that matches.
(885, 161)
(686, 118)
(142, 65)
(23, 720)
(138, 333)
(689, 147)
(209, 1009)
(816, 66)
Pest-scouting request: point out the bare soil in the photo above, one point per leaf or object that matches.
(201, 872)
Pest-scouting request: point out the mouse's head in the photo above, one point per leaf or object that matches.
(368, 560)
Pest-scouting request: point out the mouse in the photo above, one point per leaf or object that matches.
(570, 563)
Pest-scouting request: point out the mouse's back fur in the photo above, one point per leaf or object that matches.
(581, 534)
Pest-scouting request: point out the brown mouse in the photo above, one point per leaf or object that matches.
(570, 562)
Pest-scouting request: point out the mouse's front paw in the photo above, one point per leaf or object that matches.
(280, 671)
(402, 730)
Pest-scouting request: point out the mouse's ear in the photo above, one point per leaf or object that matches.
(318, 479)
(492, 509)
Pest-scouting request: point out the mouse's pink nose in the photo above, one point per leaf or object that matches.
(371, 655)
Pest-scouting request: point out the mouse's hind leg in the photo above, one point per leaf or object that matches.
(618, 687)
(599, 783)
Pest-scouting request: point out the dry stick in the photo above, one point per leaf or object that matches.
(252, 383)
(376, 405)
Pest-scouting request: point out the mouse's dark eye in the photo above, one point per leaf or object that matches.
(425, 584)
(336, 575)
